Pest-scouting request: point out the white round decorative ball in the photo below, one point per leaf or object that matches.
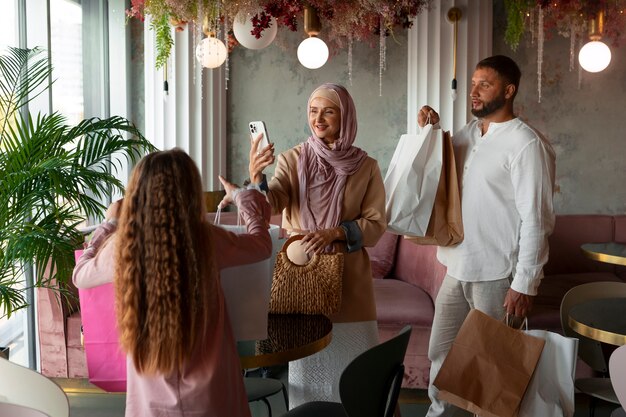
(242, 28)
(211, 52)
(296, 254)
(594, 56)
(312, 52)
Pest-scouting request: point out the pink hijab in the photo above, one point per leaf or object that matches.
(322, 172)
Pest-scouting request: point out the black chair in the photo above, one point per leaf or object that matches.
(258, 389)
(369, 386)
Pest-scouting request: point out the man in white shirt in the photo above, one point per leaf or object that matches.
(507, 172)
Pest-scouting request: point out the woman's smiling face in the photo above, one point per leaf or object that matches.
(325, 119)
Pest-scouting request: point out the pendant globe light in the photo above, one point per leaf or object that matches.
(595, 56)
(243, 27)
(312, 52)
(210, 51)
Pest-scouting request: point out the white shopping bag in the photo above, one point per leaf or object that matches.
(551, 389)
(412, 180)
(247, 290)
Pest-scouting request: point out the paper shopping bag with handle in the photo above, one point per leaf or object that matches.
(247, 288)
(489, 366)
(445, 227)
(106, 362)
(551, 389)
(412, 180)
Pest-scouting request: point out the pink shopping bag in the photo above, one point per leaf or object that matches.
(106, 363)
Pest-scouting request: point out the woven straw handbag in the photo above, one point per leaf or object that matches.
(313, 288)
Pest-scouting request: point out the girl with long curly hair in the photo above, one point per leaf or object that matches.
(164, 258)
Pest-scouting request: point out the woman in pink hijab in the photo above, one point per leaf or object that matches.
(331, 192)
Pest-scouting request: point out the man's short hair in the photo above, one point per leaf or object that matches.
(505, 67)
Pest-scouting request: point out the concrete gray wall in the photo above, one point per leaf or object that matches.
(585, 124)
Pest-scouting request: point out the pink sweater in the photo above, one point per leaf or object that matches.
(212, 387)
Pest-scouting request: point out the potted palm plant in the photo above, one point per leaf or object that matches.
(52, 176)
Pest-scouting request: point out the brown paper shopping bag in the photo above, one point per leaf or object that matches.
(445, 227)
(488, 367)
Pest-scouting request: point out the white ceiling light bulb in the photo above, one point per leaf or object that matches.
(595, 56)
(312, 52)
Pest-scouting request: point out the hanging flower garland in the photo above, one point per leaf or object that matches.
(567, 18)
(343, 22)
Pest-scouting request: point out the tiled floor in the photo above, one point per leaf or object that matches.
(89, 401)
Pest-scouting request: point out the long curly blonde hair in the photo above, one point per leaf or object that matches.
(166, 281)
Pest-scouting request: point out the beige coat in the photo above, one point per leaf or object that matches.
(364, 202)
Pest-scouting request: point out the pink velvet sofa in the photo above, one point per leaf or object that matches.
(59, 324)
(407, 278)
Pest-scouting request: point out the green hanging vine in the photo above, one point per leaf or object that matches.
(164, 40)
(515, 10)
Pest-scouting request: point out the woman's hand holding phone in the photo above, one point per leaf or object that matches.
(257, 128)
(261, 153)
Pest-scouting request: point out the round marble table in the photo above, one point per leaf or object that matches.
(612, 252)
(602, 319)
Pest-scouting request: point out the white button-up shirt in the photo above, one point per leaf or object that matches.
(507, 182)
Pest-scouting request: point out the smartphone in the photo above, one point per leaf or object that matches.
(255, 129)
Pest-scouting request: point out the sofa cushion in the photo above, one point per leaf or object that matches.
(74, 333)
(571, 231)
(546, 313)
(620, 229)
(418, 265)
(398, 302)
(383, 255)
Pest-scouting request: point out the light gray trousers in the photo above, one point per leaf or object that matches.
(453, 303)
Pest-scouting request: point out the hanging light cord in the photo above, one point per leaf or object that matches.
(454, 15)
(454, 56)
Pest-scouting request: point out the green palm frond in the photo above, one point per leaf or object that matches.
(52, 176)
(17, 89)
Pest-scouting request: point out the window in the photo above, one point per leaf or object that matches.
(76, 35)
(66, 28)
(11, 330)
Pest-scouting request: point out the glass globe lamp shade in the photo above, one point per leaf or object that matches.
(312, 52)
(594, 56)
(211, 52)
(242, 28)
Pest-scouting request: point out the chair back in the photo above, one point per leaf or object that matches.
(617, 368)
(7, 409)
(212, 199)
(25, 388)
(593, 353)
(370, 384)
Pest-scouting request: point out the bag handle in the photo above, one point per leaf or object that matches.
(509, 320)
(218, 216)
(290, 241)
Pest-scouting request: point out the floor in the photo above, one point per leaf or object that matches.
(87, 400)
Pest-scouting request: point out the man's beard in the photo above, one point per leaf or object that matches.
(490, 107)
